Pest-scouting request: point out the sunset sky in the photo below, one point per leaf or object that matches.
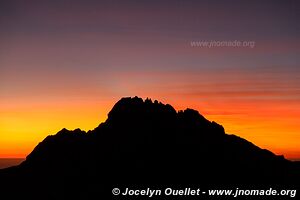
(65, 64)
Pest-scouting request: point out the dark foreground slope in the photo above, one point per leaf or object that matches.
(144, 142)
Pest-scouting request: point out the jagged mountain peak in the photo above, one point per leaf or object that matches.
(146, 141)
(135, 107)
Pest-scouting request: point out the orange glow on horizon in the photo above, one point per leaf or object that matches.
(23, 126)
(270, 127)
(246, 106)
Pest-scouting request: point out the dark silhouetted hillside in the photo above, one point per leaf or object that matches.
(145, 142)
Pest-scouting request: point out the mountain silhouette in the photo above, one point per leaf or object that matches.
(144, 142)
